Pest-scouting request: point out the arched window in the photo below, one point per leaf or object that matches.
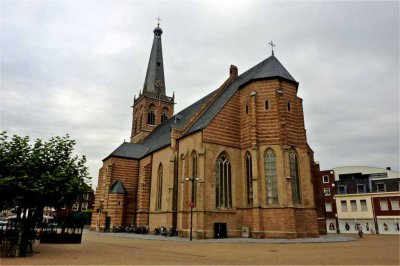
(140, 123)
(151, 115)
(271, 180)
(159, 187)
(223, 188)
(249, 179)
(194, 175)
(294, 174)
(164, 115)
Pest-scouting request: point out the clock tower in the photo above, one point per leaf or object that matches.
(152, 107)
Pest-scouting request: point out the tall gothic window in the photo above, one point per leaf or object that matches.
(194, 175)
(151, 115)
(159, 187)
(164, 115)
(223, 188)
(249, 179)
(294, 174)
(271, 179)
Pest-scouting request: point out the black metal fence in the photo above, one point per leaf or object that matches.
(17, 236)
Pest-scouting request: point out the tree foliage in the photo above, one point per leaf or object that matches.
(43, 173)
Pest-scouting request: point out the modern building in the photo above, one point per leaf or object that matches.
(365, 196)
(238, 158)
(387, 212)
(324, 186)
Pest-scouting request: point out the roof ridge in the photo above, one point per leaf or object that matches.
(203, 108)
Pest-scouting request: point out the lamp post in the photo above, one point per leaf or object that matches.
(192, 180)
(99, 214)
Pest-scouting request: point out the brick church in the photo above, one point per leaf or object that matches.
(238, 156)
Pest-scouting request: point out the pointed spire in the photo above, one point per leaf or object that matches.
(154, 82)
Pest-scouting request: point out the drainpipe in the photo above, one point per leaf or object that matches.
(374, 217)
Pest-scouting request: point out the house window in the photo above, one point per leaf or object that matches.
(266, 104)
(223, 189)
(249, 179)
(353, 204)
(288, 106)
(164, 116)
(294, 174)
(380, 187)
(270, 177)
(159, 187)
(327, 191)
(363, 204)
(343, 204)
(151, 116)
(247, 109)
(195, 175)
(328, 206)
(361, 188)
(325, 179)
(395, 204)
(84, 206)
(341, 189)
(384, 205)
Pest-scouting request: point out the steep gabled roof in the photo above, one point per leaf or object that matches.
(117, 188)
(160, 137)
(268, 69)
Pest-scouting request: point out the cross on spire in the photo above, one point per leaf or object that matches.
(272, 46)
(159, 19)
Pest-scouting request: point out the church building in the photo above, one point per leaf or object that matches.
(237, 158)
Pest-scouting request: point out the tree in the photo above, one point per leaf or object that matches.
(43, 173)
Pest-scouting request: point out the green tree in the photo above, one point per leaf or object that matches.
(43, 173)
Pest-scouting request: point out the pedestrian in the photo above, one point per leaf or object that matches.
(360, 232)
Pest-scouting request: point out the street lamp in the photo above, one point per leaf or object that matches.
(192, 180)
(99, 214)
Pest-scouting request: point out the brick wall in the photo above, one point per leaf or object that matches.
(143, 193)
(227, 124)
(140, 128)
(125, 170)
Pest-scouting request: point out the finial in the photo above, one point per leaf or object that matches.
(272, 46)
(159, 19)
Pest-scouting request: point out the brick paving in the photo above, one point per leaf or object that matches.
(126, 249)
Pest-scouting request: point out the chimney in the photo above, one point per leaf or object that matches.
(233, 72)
(388, 168)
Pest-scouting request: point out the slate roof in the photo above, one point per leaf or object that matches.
(117, 188)
(161, 137)
(155, 68)
(267, 69)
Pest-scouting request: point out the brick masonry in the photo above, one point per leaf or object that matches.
(245, 124)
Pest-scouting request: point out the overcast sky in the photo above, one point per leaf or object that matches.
(74, 67)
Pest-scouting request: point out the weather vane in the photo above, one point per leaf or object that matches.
(159, 19)
(272, 46)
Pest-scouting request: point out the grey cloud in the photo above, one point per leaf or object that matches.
(74, 67)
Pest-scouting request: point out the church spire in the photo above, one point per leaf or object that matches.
(154, 82)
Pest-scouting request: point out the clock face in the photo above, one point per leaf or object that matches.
(158, 83)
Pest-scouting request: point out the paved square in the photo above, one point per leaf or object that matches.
(105, 249)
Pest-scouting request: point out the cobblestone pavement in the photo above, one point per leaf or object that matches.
(126, 249)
